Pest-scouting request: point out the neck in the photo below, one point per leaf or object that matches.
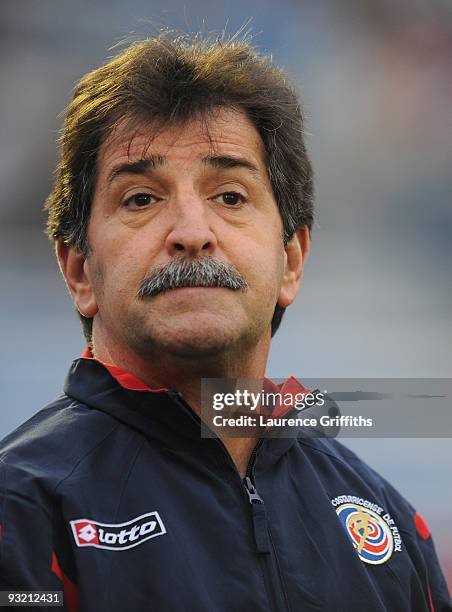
(185, 374)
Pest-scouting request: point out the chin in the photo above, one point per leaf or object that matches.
(200, 342)
(196, 338)
(194, 334)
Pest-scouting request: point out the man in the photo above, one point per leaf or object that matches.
(181, 214)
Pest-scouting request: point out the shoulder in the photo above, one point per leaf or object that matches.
(51, 443)
(350, 482)
(353, 475)
(340, 457)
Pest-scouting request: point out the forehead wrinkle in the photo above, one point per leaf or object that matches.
(136, 143)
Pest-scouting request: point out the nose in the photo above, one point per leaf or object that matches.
(190, 232)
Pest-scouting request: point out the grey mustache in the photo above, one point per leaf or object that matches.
(204, 271)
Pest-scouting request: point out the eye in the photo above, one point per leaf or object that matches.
(139, 200)
(230, 198)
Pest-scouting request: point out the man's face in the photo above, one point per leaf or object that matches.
(184, 192)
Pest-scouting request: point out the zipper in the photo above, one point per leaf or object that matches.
(258, 510)
(262, 537)
(263, 540)
(252, 459)
(259, 513)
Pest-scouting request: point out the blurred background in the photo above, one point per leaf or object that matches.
(376, 82)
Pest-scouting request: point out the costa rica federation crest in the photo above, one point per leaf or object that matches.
(369, 532)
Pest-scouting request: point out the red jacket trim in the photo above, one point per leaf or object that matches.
(71, 598)
(124, 378)
(421, 526)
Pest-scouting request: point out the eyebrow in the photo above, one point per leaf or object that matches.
(146, 164)
(141, 166)
(223, 162)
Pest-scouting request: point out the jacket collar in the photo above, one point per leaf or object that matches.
(162, 413)
(125, 379)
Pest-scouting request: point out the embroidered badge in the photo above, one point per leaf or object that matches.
(372, 532)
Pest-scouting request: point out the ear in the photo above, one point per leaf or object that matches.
(296, 252)
(74, 268)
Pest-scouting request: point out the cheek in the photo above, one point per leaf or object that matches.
(267, 271)
(114, 272)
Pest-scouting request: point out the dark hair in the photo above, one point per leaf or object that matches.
(170, 80)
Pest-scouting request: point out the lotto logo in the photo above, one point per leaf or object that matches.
(86, 533)
(117, 536)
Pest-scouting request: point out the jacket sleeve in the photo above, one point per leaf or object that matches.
(416, 538)
(31, 537)
(438, 594)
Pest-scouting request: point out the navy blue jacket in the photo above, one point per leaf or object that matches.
(112, 495)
